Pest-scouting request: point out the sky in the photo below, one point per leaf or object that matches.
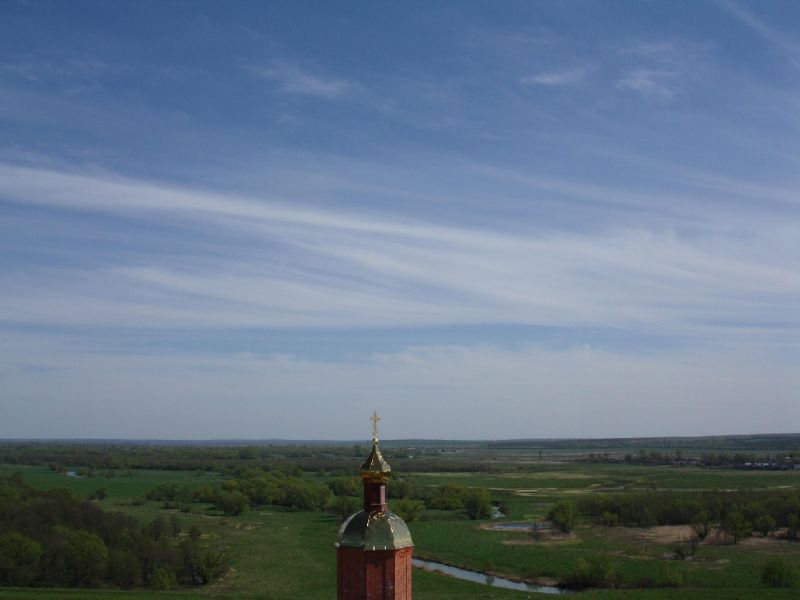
(483, 219)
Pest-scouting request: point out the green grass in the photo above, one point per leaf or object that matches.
(124, 485)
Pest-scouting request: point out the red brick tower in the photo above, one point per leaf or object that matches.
(374, 548)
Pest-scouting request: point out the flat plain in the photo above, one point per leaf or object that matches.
(284, 555)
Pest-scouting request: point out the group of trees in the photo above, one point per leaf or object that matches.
(704, 459)
(410, 500)
(413, 499)
(737, 514)
(249, 488)
(255, 487)
(52, 538)
(105, 457)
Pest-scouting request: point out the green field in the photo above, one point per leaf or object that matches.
(285, 555)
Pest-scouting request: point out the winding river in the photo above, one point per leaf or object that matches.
(486, 579)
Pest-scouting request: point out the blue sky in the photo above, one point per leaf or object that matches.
(486, 220)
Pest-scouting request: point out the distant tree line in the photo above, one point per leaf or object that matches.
(255, 487)
(51, 538)
(337, 459)
(737, 514)
(784, 460)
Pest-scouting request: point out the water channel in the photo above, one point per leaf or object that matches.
(538, 525)
(485, 579)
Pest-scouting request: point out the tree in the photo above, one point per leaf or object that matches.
(232, 503)
(564, 514)
(124, 568)
(792, 527)
(345, 486)
(764, 524)
(19, 559)
(175, 526)
(75, 557)
(157, 528)
(447, 497)
(735, 525)
(701, 524)
(477, 503)
(409, 510)
(343, 506)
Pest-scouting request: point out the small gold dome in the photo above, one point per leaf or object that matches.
(374, 531)
(375, 468)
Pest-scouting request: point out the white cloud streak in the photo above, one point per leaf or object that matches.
(301, 266)
(555, 78)
(785, 43)
(291, 79)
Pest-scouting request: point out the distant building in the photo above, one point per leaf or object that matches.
(374, 545)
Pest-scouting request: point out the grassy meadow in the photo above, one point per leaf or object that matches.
(283, 555)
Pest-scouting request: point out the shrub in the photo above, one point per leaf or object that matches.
(232, 503)
(764, 524)
(596, 571)
(610, 519)
(777, 574)
(792, 527)
(477, 503)
(564, 514)
(685, 548)
(701, 524)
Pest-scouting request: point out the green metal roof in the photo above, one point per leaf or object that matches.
(375, 531)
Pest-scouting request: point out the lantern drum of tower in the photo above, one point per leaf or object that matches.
(374, 545)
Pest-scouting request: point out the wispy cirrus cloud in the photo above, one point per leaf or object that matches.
(661, 68)
(650, 82)
(555, 78)
(292, 79)
(268, 264)
(785, 43)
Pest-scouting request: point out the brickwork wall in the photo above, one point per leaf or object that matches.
(373, 575)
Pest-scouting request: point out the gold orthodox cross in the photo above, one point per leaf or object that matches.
(375, 418)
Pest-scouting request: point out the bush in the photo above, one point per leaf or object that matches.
(564, 514)
(477, 503)
(701, 524)
(666, 578)
(610, 519)
(734, 525)
(685, 549)
(447, 497)
(232, 503)
(792, 527)
(596, 571)
(764, 524)
(777, 574)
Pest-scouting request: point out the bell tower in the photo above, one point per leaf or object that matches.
(373, 555)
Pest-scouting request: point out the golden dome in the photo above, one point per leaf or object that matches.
(374, 531)
(375, 468)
